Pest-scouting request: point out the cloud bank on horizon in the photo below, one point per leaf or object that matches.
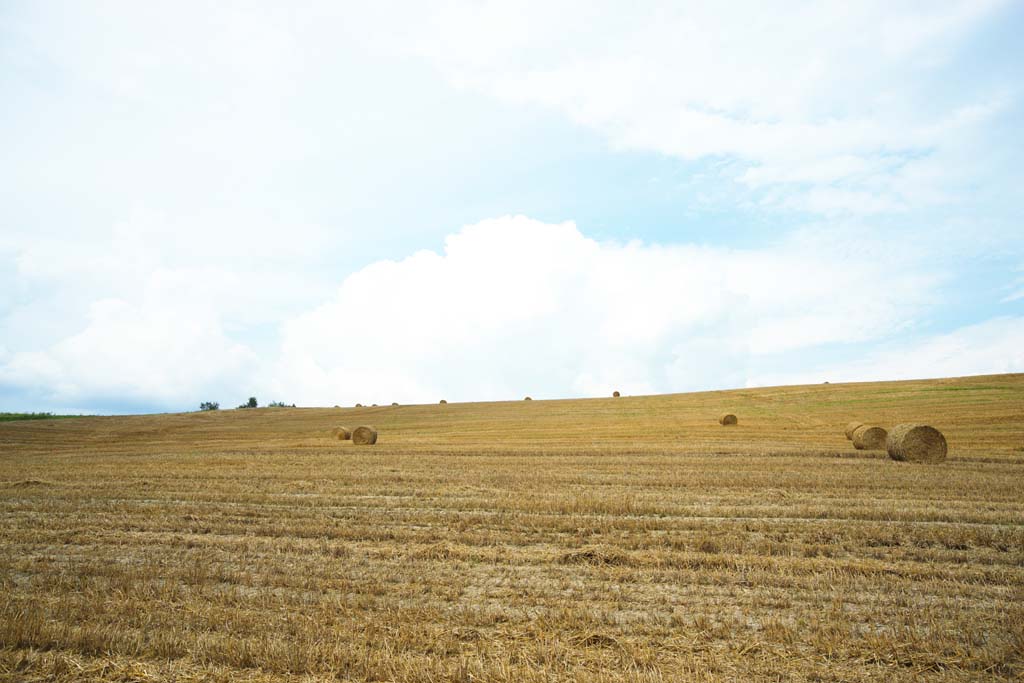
(483, 201)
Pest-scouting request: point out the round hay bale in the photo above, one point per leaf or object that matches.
(850, 428)
(443, 401)
(916, 443)
(616, 394)
(869, 438)
(342, 433)
(527, 399)
(359, 405)
(364, 436)
(728, 419)
(394, 404)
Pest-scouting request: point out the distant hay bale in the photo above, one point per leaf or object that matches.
(851, 427)
(916, 443)
(364, 436)
(869, 438)
(443, 401)
(359, 405)
(394, 404)
(616, 394)
(342, 433)
(374, 405)
(728, 419)
(527, 399)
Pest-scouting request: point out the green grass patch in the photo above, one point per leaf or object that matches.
(10, 417)
(971, 388)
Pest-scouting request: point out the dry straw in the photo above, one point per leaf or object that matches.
(364, 436)
(342, 433)
(869, 438)
(616, 394)
(443, 401)
(916, 443)
(527, 399)
(851, 427)
(727, 419)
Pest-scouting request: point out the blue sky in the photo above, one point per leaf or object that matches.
(333, 203)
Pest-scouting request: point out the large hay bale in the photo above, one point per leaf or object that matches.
(728, 419)
(443, 401)
(916, 443)
(616, 394)
(851, 427)
(359, 405)
(527, 399)
(364, 436)
(342, 433)
(395, 403)
(869, 438)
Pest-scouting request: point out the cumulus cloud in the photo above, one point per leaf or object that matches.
(156, 311)
(153, 353)
(991, 347)
(517, 306)
(514, 306)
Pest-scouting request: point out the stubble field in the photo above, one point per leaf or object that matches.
(629, 539)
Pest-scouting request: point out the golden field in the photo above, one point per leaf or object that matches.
(629, 539)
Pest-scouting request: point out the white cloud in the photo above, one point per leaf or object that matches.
(149, 312)
(991, 347)
(516, 306)
(240, 262)
(1017, 287)
(842, 96)
(153, 353)
(173, 170)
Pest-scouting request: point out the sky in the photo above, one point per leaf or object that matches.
(326, 203)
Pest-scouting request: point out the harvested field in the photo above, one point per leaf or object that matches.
(628, 539)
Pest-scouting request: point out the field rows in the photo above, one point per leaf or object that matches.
(249, 546)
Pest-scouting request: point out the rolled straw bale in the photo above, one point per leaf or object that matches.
(343, 433)
(616, 394)
(443, 401)
(395, 404)
(869, 437)
(851, 427)
(527, 399)
(727, 419)
(364, 436)
(916, 443)
(359, 405)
